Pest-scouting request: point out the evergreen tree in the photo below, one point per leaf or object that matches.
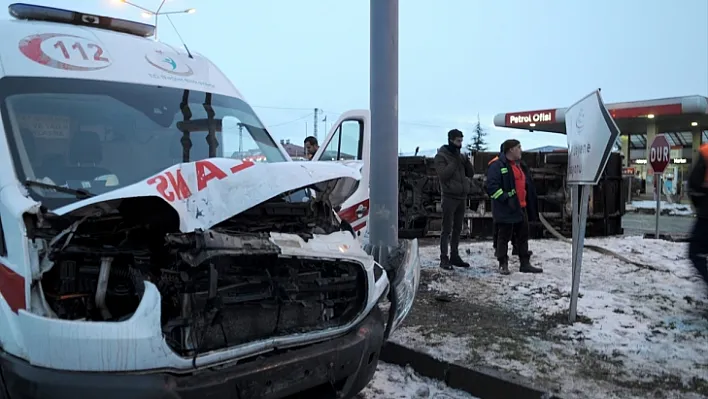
(478, 143)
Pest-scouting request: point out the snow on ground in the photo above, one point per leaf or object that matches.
(641, 329)
(392, 381)
(666, 208)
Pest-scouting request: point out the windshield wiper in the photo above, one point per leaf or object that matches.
(78, 193)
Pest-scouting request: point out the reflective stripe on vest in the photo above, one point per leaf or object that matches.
(500, 192)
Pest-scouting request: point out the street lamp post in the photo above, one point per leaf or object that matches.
(147, 13)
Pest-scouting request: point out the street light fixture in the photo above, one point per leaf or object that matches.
(147, 13)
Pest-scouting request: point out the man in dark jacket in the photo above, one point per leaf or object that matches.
(454, 172)
(698, 191)
(514, 203)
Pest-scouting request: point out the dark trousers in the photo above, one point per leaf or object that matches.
(698, 247)
(453, 211)
(495, 234)
(520, 232)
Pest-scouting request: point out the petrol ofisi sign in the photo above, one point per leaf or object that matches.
(525, 118)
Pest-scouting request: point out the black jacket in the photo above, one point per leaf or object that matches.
(501, 187)
(455, 173)
(697, 188)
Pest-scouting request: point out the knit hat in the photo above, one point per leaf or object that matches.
(509, 144)
(453, 134)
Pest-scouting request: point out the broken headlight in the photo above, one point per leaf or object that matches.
(405, 283)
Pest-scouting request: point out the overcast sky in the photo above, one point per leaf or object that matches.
(458, 58)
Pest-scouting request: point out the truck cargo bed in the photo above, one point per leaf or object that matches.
(419, 197)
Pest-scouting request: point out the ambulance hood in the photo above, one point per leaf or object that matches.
(205, 193)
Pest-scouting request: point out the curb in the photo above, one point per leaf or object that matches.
(481, 383)
(673, 237)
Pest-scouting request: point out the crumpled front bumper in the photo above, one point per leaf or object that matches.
(347, 362)
(404, 284)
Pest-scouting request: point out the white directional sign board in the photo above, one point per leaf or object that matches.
(591, 134)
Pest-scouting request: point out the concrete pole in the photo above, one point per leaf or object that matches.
(383, 102)
(625, 141)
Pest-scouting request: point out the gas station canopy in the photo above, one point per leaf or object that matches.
(677, 117)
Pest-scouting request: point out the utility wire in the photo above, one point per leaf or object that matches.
(323, 111)
(284, 108)
(291, 121)
(402, 122)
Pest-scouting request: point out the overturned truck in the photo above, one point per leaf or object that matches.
(419, 197)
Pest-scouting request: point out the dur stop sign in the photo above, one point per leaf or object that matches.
(659, 154)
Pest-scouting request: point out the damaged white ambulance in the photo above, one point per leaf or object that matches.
(156, 242)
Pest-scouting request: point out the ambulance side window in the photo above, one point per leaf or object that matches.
(351, 140)
(346, 143)
(330, 152)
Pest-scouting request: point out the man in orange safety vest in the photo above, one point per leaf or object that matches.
(698, 192)
(495, 230)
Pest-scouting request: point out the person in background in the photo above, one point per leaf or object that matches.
(311, 147)
(698, 192)
(514, 203)
(495, 230)
(455, 172)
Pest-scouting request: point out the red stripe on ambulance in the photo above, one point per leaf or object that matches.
(12, 288)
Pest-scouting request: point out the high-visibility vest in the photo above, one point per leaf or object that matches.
(704, 150)
(704, 153)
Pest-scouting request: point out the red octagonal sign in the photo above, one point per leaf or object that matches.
(659, 154)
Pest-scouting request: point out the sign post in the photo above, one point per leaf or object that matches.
(591, 134)
(658, 160)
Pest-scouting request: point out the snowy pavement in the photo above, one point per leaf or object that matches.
(642, 331)
(391, 381)
(666, 208)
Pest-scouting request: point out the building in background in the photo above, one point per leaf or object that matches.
(296, 152)
(548, 148)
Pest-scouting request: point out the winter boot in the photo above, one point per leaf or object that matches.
(527, 268)
(504, 267)
(455, 260)
(445, 262)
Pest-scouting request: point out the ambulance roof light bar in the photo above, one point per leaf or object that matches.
(50, 14)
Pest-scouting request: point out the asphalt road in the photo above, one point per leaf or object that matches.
(637, 223)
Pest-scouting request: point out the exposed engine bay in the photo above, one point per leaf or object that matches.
(220, 287)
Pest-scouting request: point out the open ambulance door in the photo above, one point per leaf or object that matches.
(348, 142)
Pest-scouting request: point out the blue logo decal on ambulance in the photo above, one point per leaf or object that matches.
(170, 61)
(169, 64)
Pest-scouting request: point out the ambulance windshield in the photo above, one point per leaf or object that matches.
(98, 136)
